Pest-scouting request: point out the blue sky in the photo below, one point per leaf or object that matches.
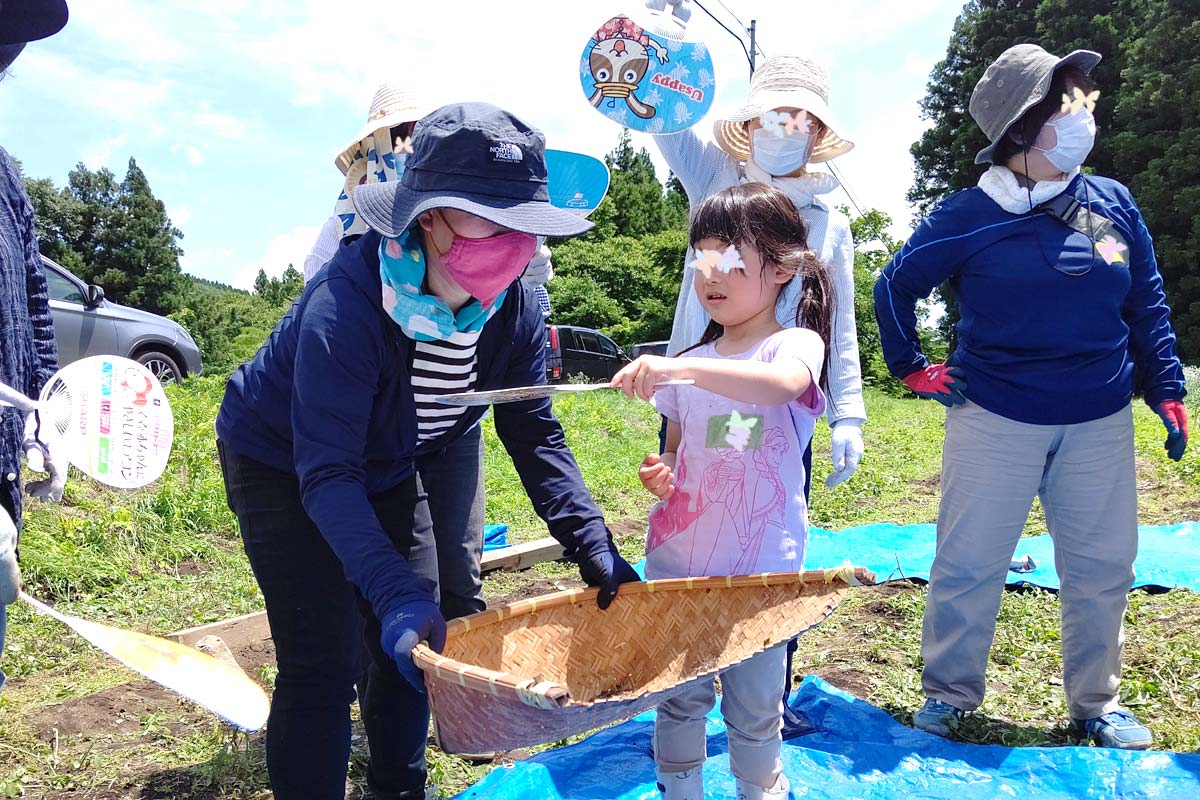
(235, 108)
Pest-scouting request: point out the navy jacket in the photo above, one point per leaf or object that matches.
(1035, 344)
(329, 398)
(28, 356)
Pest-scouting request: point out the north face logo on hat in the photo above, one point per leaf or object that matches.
(506, 153)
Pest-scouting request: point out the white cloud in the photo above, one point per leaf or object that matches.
(99, 154)
(193, 155)
(180, 215)
(286, 248)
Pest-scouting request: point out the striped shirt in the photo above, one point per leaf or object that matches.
(439, 368)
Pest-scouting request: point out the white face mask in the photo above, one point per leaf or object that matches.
(1076, 134)
(780, 155)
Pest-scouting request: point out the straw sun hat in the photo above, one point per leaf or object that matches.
(391, 106)
(784, 82)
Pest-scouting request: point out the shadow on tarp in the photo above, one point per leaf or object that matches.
(858, 752)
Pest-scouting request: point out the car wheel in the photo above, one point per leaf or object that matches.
(161, 364)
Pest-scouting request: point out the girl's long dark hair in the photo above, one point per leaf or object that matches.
(766, 219)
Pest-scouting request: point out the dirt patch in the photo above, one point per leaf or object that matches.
(932, 483)
(847, 679)
(110, 712)
(533, 587)
(189, 567)
(627, 527)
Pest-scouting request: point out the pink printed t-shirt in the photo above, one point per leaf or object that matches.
(738, 506)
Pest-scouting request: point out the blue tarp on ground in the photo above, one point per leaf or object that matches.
(495, 537)
(858, 753)
(1168, 555)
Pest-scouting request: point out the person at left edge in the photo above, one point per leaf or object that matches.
(28, 356)
(317, 435)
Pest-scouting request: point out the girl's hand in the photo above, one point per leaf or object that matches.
(638, 378)
(656, 477)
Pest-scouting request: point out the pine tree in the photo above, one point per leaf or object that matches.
(140, 258)
(1157, 152)
(944, 157)
(635, 204)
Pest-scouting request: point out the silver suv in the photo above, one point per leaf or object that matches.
(85, 324)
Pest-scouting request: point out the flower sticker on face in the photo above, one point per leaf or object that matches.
(1071, 105)
(403, 145)
(724, 260)
(781, 123)
(1111, 250)
(740, 429)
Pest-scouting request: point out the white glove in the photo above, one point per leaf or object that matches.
(10, 576)
(44, 458)
(846, 441)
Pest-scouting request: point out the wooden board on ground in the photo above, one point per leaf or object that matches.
(248, 628)
(234, 632)
(522, 556)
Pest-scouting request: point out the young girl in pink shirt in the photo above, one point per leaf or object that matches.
(730, 481)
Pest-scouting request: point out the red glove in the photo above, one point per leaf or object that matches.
(938, 382)
(1174, 416)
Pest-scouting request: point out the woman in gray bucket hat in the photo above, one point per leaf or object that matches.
(319, 433)
(1063, 319)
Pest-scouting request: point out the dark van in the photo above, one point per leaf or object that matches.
(572, 350)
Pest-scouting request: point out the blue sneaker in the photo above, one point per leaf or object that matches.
(1117, 729)
(937, 717)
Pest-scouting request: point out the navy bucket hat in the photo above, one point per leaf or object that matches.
(477, 158)
(23, 21)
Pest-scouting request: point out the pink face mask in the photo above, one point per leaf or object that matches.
(485, 267)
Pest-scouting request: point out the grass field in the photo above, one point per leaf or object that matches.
(72, 724)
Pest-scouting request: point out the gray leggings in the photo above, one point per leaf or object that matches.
(992, 467)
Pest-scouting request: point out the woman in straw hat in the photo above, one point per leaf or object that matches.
(1063, 316)
(785, 125)
(28, 356)
(318, 436)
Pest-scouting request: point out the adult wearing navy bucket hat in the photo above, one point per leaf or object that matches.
(318, 433)
(28, 356)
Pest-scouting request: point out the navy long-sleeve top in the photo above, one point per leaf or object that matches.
(329, 398)
(1036, 344)
(28, 356)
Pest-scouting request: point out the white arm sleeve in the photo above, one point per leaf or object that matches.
(323, 248)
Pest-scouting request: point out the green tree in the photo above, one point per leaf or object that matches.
(58, 221)
(944, 157)
(139, 264)
(279, 291)
(636, 203)
(676, 204)
(1159, 148)
(115, 234)
(1149, 82)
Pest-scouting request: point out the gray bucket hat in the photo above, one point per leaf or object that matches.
(1014, 83)
(476, 158)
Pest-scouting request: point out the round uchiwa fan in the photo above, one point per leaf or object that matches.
(111, 418)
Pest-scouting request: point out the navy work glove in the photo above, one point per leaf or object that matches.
(601, 565)
(414, 622)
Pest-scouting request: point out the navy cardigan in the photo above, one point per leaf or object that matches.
(329, 398)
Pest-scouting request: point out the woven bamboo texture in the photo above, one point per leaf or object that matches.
(550, 667)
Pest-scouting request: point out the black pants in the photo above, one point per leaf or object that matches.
(794, 724)
(327, 640)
